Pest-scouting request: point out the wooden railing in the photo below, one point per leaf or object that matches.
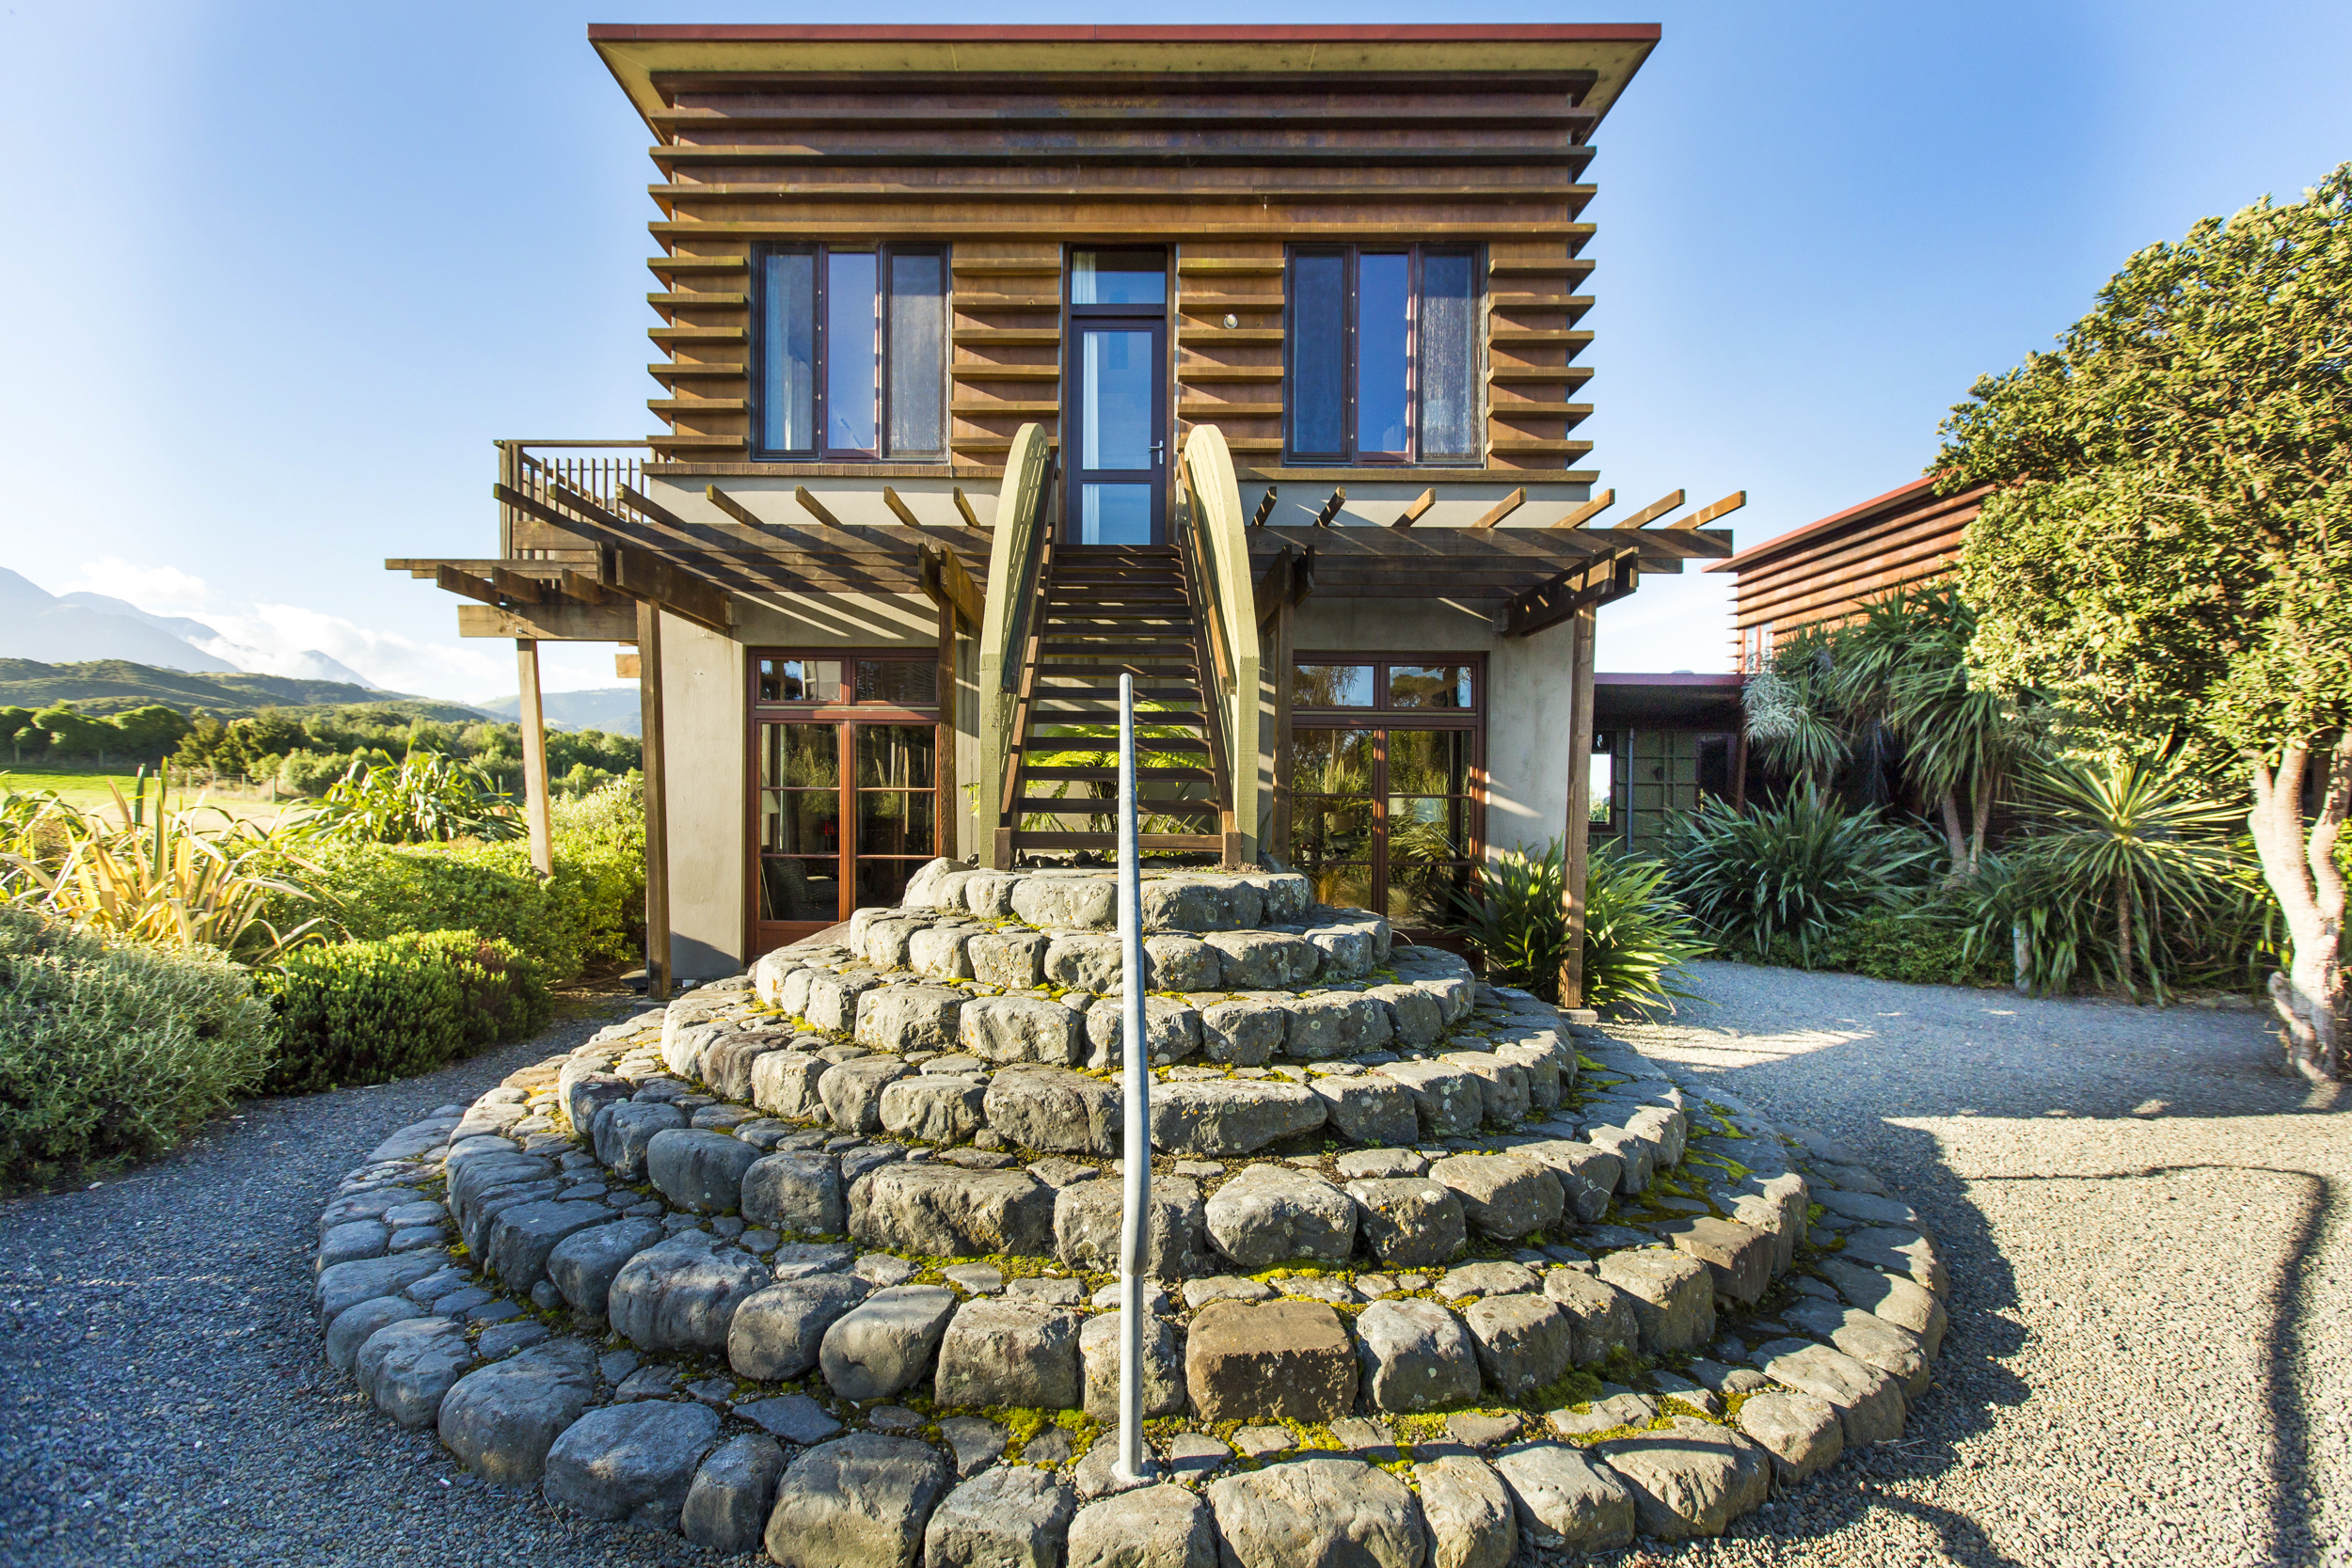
(1018, 554)
(593, 468)
(1212, 539)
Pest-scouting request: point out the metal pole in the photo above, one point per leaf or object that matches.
(1138, 1086)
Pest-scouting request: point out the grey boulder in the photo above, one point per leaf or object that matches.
(777, 1331)
(584, 1264)
(1414, 1355)
(1018, 1354)
(634, 1462)
(1468, 1512)
(1008, 1516)
(727, 1505)
(1152, 1526)
(500, 1419)
(1272, 1213)
(860, 1501)
(1318, 1514)
(1566, 1502)
(885, 1342)
(680, 1294)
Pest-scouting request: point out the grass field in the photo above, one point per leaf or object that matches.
(93, 789)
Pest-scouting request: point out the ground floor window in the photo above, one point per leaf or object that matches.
(1656, 776)
(1387, 783)
(846, 787)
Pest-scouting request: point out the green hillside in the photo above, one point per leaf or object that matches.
(109, 686)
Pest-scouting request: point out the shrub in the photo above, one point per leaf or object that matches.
(363, 1012)
(1635, 934)
(1920, 945)
(111, 1053)
(1797, 870)
(429, 798)
(589, 913)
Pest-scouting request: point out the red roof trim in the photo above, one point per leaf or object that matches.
(1639, 32)
(1774, 546)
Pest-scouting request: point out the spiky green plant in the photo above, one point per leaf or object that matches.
(1515, 919)
(1797, 869)
(428, 797)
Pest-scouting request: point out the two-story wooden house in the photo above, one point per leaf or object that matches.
(998, 362)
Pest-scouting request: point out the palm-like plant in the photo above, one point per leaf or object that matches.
(2137, 842)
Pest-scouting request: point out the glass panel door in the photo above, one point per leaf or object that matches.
(1116, 425)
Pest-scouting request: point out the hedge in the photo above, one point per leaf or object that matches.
(589, 915)
(363, 1012)
(110, 1053)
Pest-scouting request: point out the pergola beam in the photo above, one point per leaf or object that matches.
(1572, 592)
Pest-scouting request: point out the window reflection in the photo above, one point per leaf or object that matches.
(1331, 685)
(1429, 686)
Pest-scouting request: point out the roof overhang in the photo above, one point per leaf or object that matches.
(1598, 59)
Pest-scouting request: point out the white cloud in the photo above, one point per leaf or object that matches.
(157, 590)
(275, 636)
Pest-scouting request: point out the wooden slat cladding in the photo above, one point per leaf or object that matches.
(1227, 171)
(1005, 347)
(1231, 375)
(1826, 572)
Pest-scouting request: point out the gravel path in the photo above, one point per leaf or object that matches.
(2151, 1353)
(2150, 1361)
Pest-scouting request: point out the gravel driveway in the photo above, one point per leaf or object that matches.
(2149, 1359)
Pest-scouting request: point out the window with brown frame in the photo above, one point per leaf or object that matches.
(852, 352)
(1384, 354)
(1387, 776)
(847, 784)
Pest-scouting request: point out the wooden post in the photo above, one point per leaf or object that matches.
(943, 764)
(657, 802)
(535, 756)
(1579, 800)
(1279, 663)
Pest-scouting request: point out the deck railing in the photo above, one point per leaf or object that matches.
(596, 469)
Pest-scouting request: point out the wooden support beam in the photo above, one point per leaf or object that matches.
(1579, 823)
(813, 507)
(946, 583)
(1412, 514)
(1280, 661)
(653, 762)
(515, 586)
(578, 585)
(1586, 512)
(1655, 510)
(1331, 507)
(1272, 589)
(905, 513)
(1265, 508)
(564, 620)
(624, 666)
(944, 812)
(450, 580)
(732, 507)
(648, 579)
(1503, 508)
(1712, 510)
(963, 504)
(1588, 585)
(532, 722)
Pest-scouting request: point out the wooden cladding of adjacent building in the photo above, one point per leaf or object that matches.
(1225, 144)
(1825, 572)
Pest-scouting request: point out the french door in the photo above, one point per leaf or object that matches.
(847, 787)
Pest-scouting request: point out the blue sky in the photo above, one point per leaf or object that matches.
(278, 275)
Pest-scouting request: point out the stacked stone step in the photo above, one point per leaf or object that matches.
(649, 1319)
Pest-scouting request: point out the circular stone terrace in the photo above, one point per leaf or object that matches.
(821, 1261)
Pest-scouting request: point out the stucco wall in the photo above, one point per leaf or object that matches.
(1528, 694)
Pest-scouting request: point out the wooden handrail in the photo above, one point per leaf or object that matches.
(1212, 532)
(1018, 546)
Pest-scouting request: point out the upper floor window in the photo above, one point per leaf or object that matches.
(853, 353)
(1383, 349)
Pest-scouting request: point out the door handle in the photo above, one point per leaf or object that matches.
(1159, 453)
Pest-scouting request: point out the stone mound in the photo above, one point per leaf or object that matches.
(824, 1258)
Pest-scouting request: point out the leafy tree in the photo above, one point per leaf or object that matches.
(74, 734)
(151, 731)
(16, 728)
(2169, 551)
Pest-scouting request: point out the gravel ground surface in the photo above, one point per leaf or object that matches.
(2151, 1353)
(2149, 1359)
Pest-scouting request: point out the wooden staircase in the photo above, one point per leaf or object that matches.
(1109, 610)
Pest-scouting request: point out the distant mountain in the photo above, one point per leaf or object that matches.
(178, 626)
(100, 687)
(309, 664)
(612, 710)
(37, 625)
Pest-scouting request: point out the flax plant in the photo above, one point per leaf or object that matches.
(190, 878)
